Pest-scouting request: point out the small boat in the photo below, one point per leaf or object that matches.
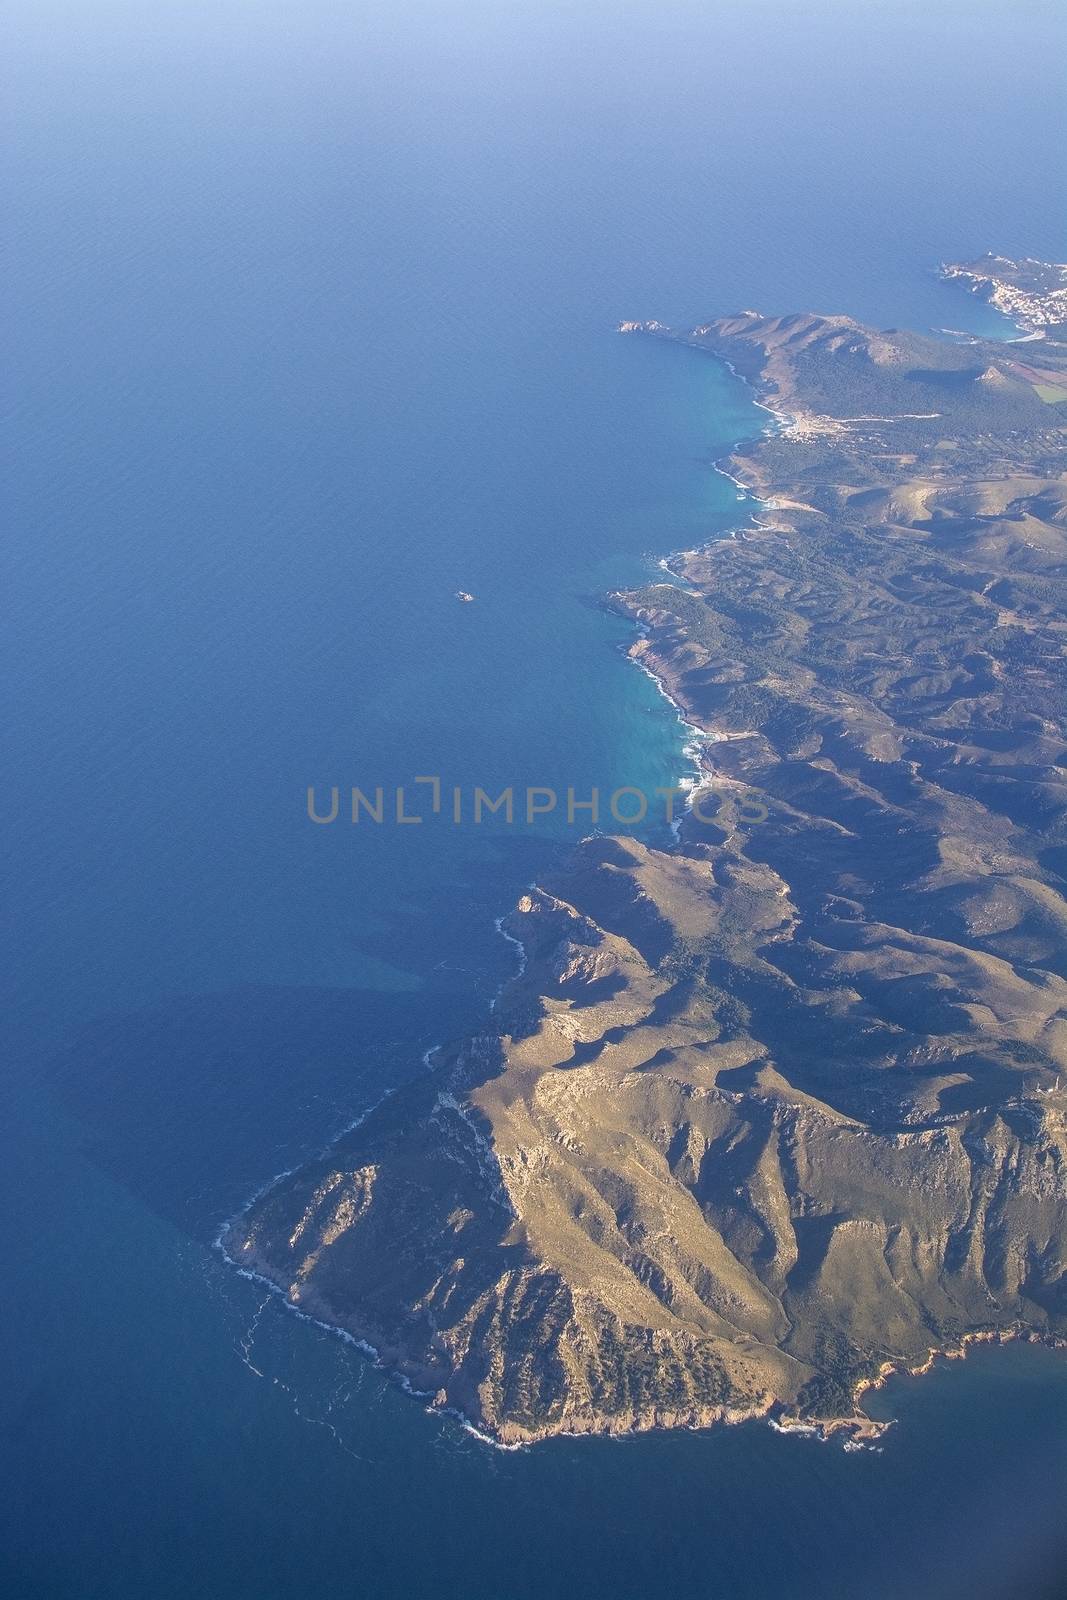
(462, 594)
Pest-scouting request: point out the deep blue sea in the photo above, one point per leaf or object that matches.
(310, 316)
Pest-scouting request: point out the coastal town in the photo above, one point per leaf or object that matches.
(1032, 294)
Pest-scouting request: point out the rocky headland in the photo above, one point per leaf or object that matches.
(772, 1113)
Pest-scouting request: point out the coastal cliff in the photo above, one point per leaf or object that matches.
(772, 1112)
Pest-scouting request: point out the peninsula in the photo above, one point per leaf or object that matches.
(783, 1108)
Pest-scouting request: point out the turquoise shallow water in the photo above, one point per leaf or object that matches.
(314, 327)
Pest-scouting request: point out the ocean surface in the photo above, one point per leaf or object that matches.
(311, 322)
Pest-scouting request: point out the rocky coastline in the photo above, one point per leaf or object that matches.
(769, 1116)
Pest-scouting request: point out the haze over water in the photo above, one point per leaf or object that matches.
(313, 326)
